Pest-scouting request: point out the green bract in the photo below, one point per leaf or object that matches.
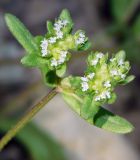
(86, 94)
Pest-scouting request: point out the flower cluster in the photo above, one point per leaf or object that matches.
(103, 74)
(55, 46)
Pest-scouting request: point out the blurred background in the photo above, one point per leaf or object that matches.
(57, 133)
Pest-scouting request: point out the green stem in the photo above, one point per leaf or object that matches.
(12, 132)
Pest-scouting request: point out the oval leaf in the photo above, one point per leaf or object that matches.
(21, 33)
(101, 117)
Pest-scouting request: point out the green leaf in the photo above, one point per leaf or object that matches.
(33, 60)
(21, 33)
(128, 79)
(73, 102)
(61, 71)
(123, 9)
(38, 39)
(50, 27)
(89, 108)
(112, 99)
(120, 55)
(75, 81)
(51, 79)
(99, 117)
(86, 46)
(106, 120)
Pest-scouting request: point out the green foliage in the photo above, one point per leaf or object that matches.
(32, 60)
(90, 110)
(21, 33)
(60, 71)
(97, 116)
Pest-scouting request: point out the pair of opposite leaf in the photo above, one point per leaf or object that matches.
(86, 94)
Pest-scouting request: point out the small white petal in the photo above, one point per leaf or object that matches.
(61, 60)
(114, 72)
(107, 84)
(63, 53)
(108, 94)
(103, 95)
(94, 62)
(91, 75)
(123, 76)
(81, 35)
(57, 26)
(85, 79)
(85, 86)
(59, 35)
(44, 43)
(99, 55)
(54, 62)
(80, 40)
(121, 62)
(52, 40)
(64, 22)
(97, 98)
(44, 52)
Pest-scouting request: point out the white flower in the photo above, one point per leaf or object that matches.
(105, 95)
(44, 44)
(59, 34)
(85, 79)
(57, 26)
(98, 98)
(64, 22)
(54, 62)
(81, 35)
(52, 40)
(114, 72)
(94, 62)
(91, 75)
(85, 86)
(121, 62)
(61, 60)
(108, 95)
(44, 52)
(107, 84)
(63, 53)
(99, 55)
(80, 40)
(123, 76)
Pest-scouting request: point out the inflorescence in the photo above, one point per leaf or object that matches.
(55, 46)
(103, 75)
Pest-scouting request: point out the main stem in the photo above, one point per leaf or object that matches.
(28, 116)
